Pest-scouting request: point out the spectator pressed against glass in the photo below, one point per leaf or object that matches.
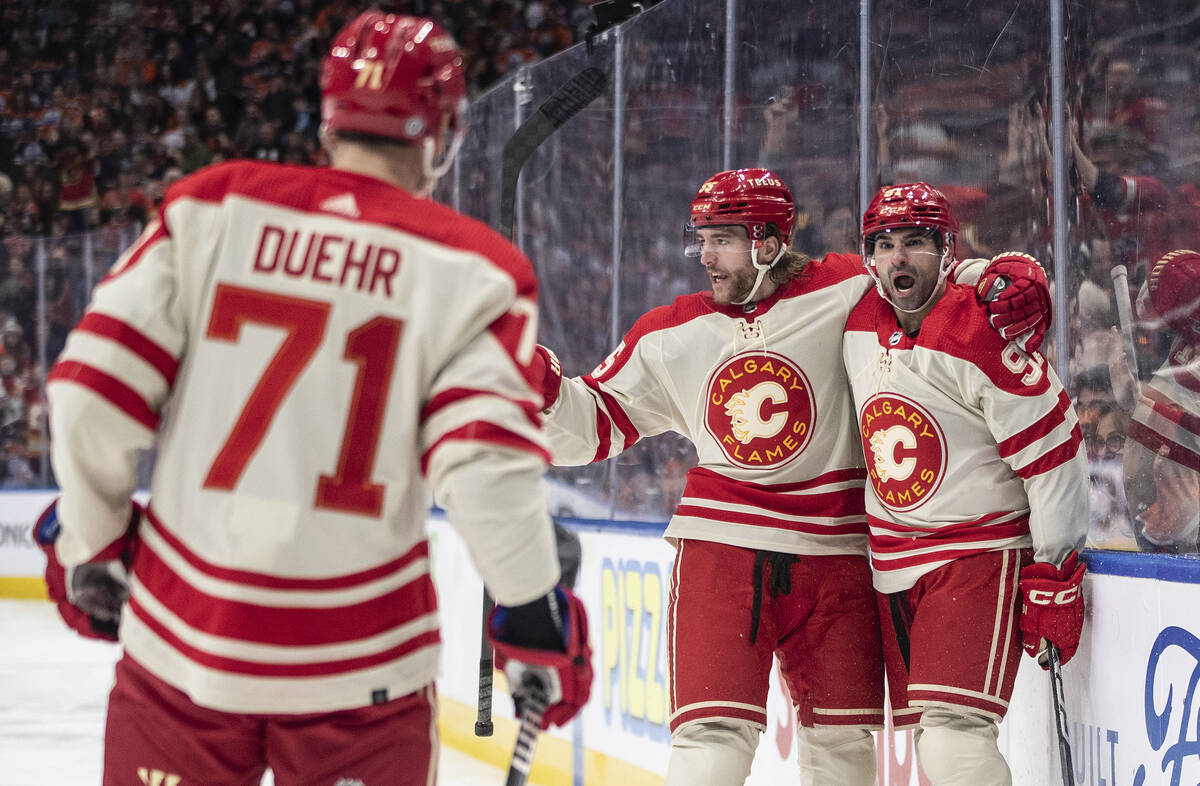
(282, 567)
(977, 478)
(771, 532)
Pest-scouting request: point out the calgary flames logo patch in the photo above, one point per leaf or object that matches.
(905, 450)
(760, 409)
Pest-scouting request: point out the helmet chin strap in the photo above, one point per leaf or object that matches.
(431, 173)
(762, 268)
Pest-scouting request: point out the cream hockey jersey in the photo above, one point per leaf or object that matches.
(971, 445)
(762, 395)
(316, 344)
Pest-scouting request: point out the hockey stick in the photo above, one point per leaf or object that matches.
(483, 711)
(527, 736)
(1060, 715)
(566, 102)
(1126, 393)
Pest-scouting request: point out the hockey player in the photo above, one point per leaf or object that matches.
(284, 330)
(978, 489)
(1162, 454)
(771, 532)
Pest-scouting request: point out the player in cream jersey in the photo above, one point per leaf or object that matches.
(978, 489)
(286, 332)
(751, 373)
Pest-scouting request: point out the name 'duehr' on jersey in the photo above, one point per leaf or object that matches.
(328, 259)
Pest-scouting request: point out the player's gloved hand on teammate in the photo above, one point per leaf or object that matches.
(1013, 288)
(543, 647)
(1052, 606)
(90, 596)
(547, 375)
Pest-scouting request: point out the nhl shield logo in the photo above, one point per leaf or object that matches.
(905, 451)
(760, 409)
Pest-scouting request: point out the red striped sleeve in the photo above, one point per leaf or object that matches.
(133, 340)
(1153, 441)
(1043, 426)
(482, 431)
(603, 432)
(614, 411)
(262, 669)
(1055, 457)
(454, 395)
(1170, 410)
(108, 388)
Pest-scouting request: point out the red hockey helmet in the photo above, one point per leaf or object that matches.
(393, 76)
(749, 198)
(910, 205)
(1174, 285)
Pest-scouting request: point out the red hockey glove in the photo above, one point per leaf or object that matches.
(547, 375)
(544, 646)
(1014, 289)
(1052, 606)
(90, 597)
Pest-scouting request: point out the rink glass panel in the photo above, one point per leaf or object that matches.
(962, 100)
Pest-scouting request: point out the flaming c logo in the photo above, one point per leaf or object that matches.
(905, 451)
(760, 409)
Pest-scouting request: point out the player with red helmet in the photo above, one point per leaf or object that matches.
(771, 533)
(978, 493)
(1162, 455)
(274, 596)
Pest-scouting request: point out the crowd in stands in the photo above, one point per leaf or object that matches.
(103, 105)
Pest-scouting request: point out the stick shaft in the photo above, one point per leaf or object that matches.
(1058, 699)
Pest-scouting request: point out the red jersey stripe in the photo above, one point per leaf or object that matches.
(260, 669)
(108, 388)
(285, 626)
(454, 395)
(1054, 457)
(133, 340)
(774, 522)
(1037, 430)
(482, 431)
(285, 583)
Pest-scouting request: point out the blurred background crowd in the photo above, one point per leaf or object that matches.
(103, 105)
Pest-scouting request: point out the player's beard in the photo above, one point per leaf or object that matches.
(735, 287)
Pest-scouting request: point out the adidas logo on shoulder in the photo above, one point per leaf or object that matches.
(343, 204)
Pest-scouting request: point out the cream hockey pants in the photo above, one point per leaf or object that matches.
(719, 753)
(958, 748)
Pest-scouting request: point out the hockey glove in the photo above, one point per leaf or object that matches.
(543, 647)
(547, 375)
(89, 597)
(1052, 607)
(1013, 288)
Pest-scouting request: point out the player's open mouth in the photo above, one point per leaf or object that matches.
(903, 284)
